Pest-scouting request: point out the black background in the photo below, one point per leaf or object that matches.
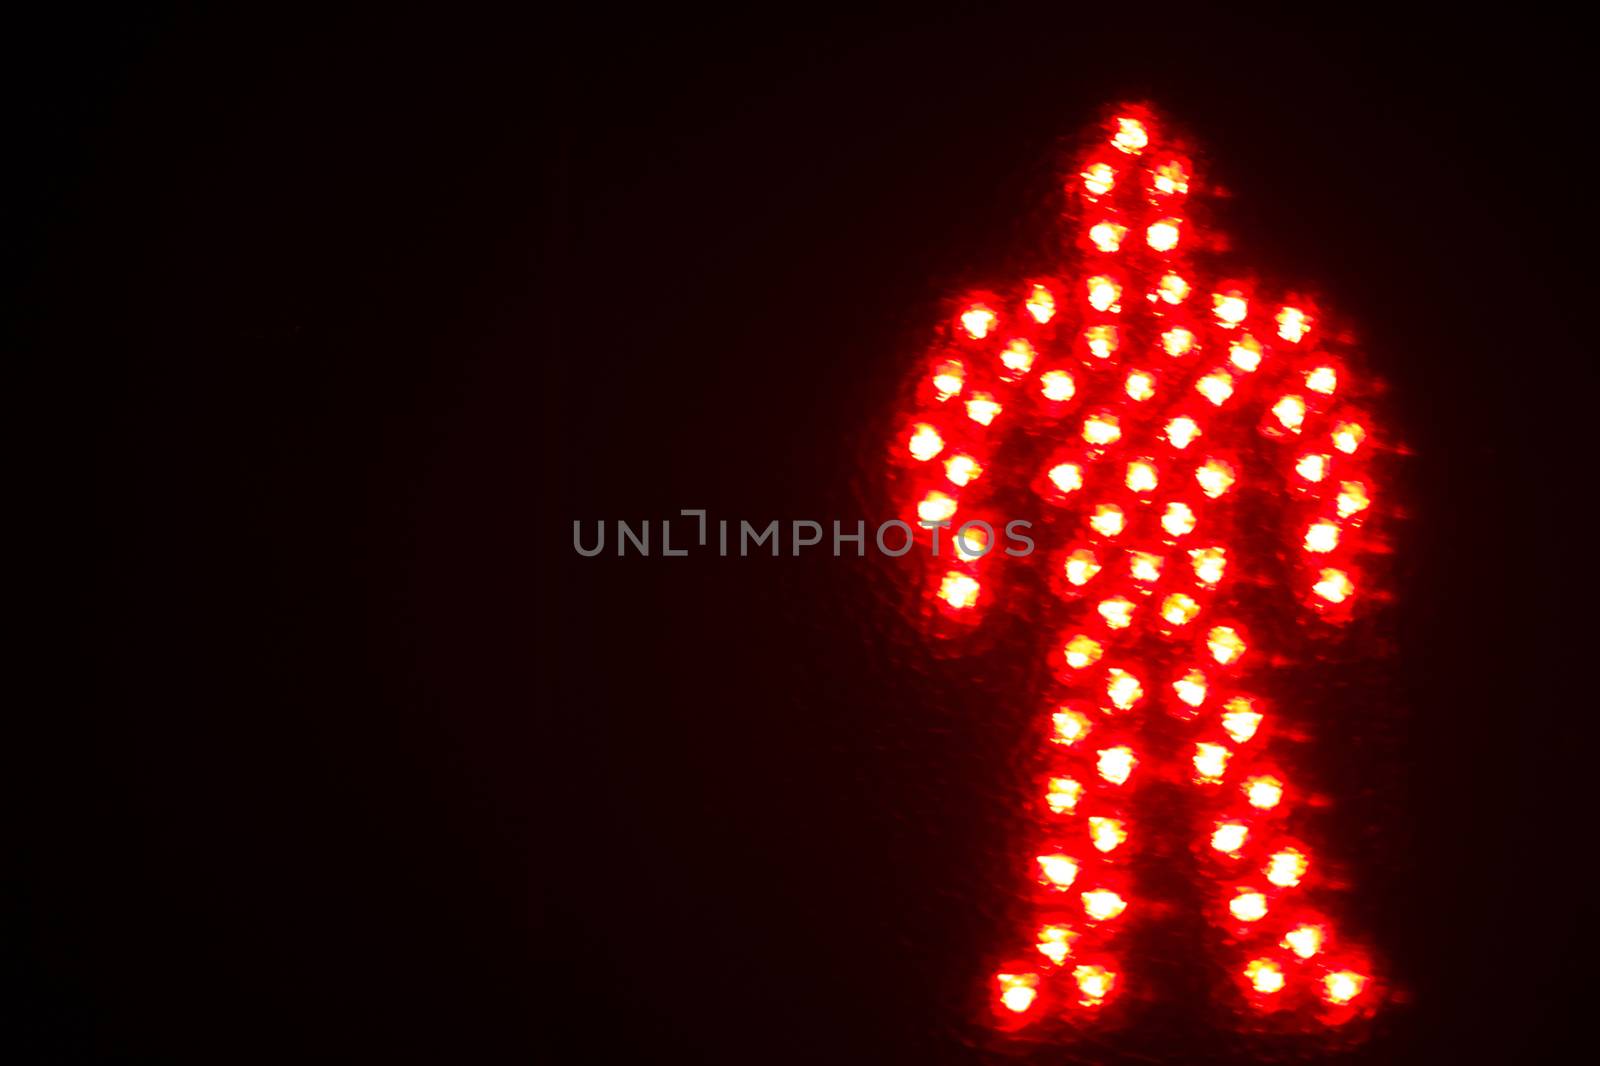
(326, 328)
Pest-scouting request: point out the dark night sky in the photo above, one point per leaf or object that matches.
(331, 327)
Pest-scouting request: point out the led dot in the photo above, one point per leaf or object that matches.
(1263, 793)
(1304, 940)
(1248, 906)
(1172, 289)
(1245, 354)
(1055, 942)
(1102, 904)
(1041, 304)
(1179, 609)
(1130, 136)
(1108, 520)
(1116, 765)
(1209, 564)
(1107, 236)
(1229, 837)
(948, 377)
(936, 507)
(1178, 519)
(1123, 689)
(1353, 498)
(1117, 612)
(1018, 990)
(1240, 719)
(1102, 429)
(970, 545)
(1227, 646)
(962, 469)
(1068, 726)
(1293, 324)
(1191, 688)
(1323, 379)
(1285, 868)
(1139, 385)
(1342, 986)
(1062, 795)
(1145, 567)
(925, 442)
(1058, 870)
(1170, 179)
(1216, 387)
(1099, 178)
(1101, 341)
(1182, 432)
(1066, 477)
(1141, 476)
(1082, 651)
(1333, 585)
(1177, 342)
(1348, 436)
(1018, 356)
(1321, 537)
(1082, 565)
(1210, 761)
(1057, 386)
(1230, 308)
(979, 321)
(1215, 477)
(1312, 467)
(982, 408)
(1094, 984)
(1163, 235)
(1265, 976)
(959, 590)
(1107, 834)
(1104, 293)
(1290, 411)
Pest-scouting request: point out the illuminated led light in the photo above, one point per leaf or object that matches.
(982, 408)
(959, 590)
(1353, 498)
(1116, 764)
(1057, 386)
(1293, 324)
(1066, 477)
(1041, 304)
(1162, 236)
(1245, 354)
(1227, 646)
(925, 442)
(1104, 294)
(1321, 537)
(1182, 432)
(1265, 976)
(962, 469)
(1172, 289)
(1018, 990)
(1068, 726)
(1216, 387)
(1117, 612)
(1209, 564)
(1348, 436)
(1230, 308)
(1240, 719)
(1123, 690)
(979, 321)
(1264, 792)
(1191, 688)
(1139, 385)
(1323, 379)
(1248, 906)
(1107, 834)
(1179, 609)
(1290, 411)
(1342, 986)
(1145, 567)
(1107, 236)
(971, 545)
(1131, 136)
(1177, 342)
(1101, 341)
(1215, 477)
(1099, 178)
(1312, 467)
(1055, 942)
(1170, 179)
(1082, 565)
(1094, 984)
(1057, 870)
(936, 506)
(948, 377)
(1285, 868)
(1102, 429)
(1141, 476)
(1178, 519)
(1229, 837)
(1062, 795)
(1304, 940)
(1018, 356)
(1210, 761)
(1103, 905)
(1108, 520)
(1082, 651)
(1333, 585)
